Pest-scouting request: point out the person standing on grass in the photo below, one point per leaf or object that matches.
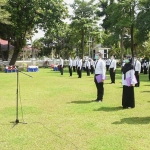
(88, 67)
(61, 65)
(128, 82)
(108, 63)
(70, 66)
(137, 68)
(145, 65)
(112, 69)
(92, 65)
(79, 68)
(100, 75)
(74, 65)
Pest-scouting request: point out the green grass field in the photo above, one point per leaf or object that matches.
(61, 115)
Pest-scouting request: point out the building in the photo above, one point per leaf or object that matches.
(5, 49)
(103, 50)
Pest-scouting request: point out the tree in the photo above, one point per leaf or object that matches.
(29, 14)
(143, 21)
(84, 19)
(122, 23)
(4, 14)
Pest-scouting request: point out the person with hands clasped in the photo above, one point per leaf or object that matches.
(100, 75)
(128, 82)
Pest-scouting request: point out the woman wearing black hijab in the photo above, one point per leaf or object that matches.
(128, 82)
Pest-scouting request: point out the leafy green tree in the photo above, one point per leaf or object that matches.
(28, 15)
(4, 14)
(143, 21)
(84, 19)
(120, 19)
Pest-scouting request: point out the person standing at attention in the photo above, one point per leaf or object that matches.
(128, 82)
(74, 65)
(100, 74)
(61, 64)
(70, 66)
(108, 63)
(137, 68)
(112, 69)
(80, 68)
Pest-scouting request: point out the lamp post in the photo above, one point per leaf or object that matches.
(89, 45)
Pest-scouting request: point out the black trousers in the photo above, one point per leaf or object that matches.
(141, 69)
(149, 73)
(145, 70)
(79, 72)
(88, 71)
(70, 70)
(128, 97)
(92, 69)
(137, 78)
(107, 67)
(61, 69)
(74, 68)
(100, 89)
(112, 75)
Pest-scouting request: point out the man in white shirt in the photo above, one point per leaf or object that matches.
(112, 69)
(100, 75)
(79, 68)
(108, 64)
(74, 65)
(88, 67)
(70, 66)
(92, 65)
(137, 68)
(145, 66)
(61, 65)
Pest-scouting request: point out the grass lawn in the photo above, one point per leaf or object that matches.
(61, 115)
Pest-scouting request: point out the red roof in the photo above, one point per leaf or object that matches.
(3, 42)
(4, 45)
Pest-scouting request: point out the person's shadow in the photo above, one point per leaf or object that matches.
(109, 109)
(82, 102)
(134, 120)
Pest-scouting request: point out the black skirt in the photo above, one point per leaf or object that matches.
(128, 97)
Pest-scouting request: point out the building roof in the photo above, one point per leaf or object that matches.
(4, 45)
(3, 42)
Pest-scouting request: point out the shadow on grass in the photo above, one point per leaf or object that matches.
(146, 85)
(109, 109)
(134, 120)
(82, 102)
(145, 91)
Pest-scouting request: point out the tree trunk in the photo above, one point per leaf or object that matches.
(121, 45)
(132, 41)
(17, 48)
(82, 44)
(1, 52)
(14, 57)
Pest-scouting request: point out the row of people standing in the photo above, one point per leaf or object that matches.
(77, 65)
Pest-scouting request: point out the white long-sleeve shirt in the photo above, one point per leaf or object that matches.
(137, 66)
(74, 62)
(108, 62)
(100, 68)
(113, 64)
(61, 62)
(80, 64)
(70, 62)
(88, 64)
(129, 74)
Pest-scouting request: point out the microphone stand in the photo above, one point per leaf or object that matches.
(17, 120)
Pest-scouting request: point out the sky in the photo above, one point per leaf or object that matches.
(41, 33)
